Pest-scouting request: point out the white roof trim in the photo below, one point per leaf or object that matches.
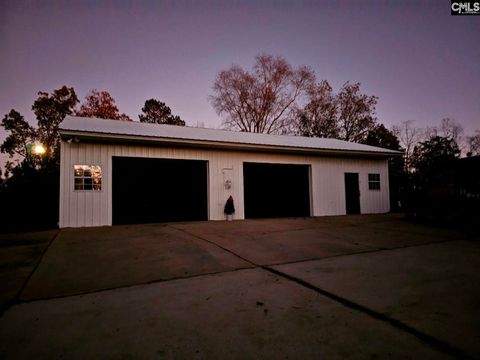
(116, 129)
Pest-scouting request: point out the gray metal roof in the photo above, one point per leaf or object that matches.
(116, 129)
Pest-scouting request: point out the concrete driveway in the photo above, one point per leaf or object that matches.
(371, 286)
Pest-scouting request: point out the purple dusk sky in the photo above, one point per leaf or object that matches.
(423, 63)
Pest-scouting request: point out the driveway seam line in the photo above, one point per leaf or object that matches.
(427, 339)
(151, 282)
(215, 244)
(437, 344)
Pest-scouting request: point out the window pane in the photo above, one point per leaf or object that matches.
(79, 184)
(78, 171)
(87, 184)
(87, 172)
(97, 183)
(374, 185)
(96, 170)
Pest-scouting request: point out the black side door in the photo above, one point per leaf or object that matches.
(352, 193)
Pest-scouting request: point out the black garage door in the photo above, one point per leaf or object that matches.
(276, 190)
(149, 190)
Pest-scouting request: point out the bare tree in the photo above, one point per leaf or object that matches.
(429, 132)
(451, 129)
(356, 113)
(409, 136)
(260, 101)
(348, 115)
(319, 116)
(474, 144)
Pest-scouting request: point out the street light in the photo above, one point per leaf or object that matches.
(39, 149)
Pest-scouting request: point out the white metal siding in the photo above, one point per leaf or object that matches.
(94, 208)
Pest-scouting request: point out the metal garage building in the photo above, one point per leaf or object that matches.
(119, 172)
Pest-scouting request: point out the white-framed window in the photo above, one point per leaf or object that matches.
(373, 181)
(87, 177)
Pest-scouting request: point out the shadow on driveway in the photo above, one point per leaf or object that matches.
(92, 259)
(19, 255)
